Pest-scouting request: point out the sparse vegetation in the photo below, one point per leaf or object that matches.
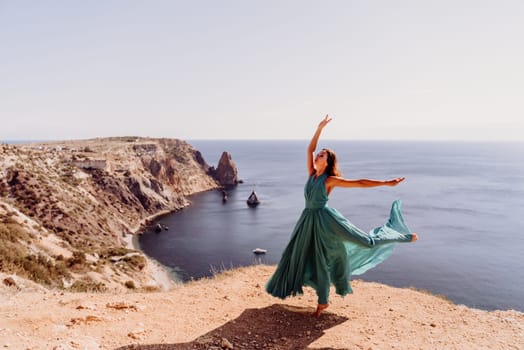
(44, 271)
(16, 258)
(11, 231)
(115, 251)
(77, 262)
(151, 289)
(87, 286)
(136, 262)
(130, 285)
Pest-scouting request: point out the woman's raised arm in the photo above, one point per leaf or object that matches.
(313, 144)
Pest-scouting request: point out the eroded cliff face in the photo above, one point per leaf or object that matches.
(67, 209)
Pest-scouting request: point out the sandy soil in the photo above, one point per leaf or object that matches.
(232, 310)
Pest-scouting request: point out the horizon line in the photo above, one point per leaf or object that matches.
(22, 141)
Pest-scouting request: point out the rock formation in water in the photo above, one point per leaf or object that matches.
(67, 209)
(226, 172)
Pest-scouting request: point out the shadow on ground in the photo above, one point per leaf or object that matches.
(276, 327)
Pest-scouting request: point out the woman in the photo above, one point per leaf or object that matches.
(325, 247)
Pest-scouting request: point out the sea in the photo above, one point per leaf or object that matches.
(464, 199)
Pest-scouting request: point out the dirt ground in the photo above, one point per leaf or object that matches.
(232, 311)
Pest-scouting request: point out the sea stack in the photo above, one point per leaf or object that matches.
(226, 173)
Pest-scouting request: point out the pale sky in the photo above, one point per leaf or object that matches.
(442, 69)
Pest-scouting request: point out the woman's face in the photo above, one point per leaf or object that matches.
(321, 159)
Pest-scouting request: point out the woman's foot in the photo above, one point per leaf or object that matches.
(320, 308)
(414, 237)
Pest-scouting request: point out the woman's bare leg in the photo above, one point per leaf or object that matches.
(320, 308)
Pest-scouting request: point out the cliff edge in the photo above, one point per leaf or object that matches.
(232, 311)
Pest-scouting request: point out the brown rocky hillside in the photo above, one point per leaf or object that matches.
(68, 209)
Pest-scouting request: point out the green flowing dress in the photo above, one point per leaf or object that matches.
(327, 248)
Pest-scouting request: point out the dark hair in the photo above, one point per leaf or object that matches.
(332, 164)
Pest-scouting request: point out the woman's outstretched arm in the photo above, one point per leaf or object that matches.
(337, 181)
(313, 144)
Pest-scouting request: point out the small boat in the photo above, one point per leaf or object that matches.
(253, 201)
(259, 251)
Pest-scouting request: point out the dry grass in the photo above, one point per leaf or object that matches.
(16, 258)
(86, 285)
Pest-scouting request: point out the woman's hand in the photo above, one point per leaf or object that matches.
(395, 181)
(324, 121)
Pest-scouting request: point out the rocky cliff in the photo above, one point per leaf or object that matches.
(67, 209)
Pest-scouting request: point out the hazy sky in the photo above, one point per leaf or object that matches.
(442, 69)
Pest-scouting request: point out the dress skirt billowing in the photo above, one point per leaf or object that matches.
(327, 248)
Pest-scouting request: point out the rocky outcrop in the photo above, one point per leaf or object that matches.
(226, 172)
(67, 207)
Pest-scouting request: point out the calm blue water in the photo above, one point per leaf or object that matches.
(466, 201)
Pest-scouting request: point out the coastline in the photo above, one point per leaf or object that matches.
(75, 203)
(162, 275)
